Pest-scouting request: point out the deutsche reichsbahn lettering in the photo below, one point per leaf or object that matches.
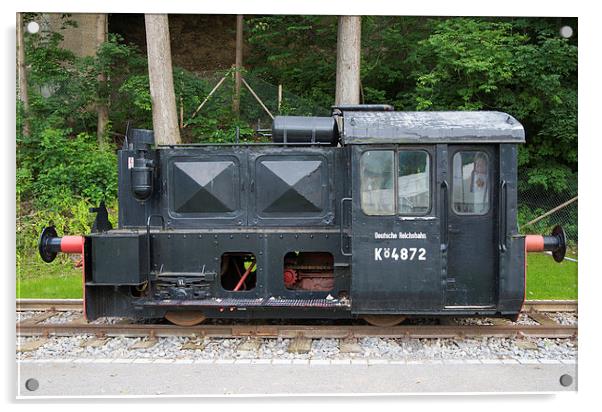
(400, 235)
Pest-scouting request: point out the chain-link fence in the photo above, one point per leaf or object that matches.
(539, 210)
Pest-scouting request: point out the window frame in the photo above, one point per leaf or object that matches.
(453, 185)
(361, 176)
(395, 151)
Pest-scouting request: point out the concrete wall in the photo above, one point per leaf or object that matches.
(81, 40)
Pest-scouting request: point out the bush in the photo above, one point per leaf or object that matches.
(65, 167)
(70, 217)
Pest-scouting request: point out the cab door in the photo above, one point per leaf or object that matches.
(396, 263)
(472, 254)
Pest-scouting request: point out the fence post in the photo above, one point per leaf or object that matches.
(279, 97)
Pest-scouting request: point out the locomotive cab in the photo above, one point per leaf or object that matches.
(368, 213)
(434, 213)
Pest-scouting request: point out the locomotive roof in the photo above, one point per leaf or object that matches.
(371, 127)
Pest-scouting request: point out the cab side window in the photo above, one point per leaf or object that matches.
(471, 183)
(413, 182)
(377, 182)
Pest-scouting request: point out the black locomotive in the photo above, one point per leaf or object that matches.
(368, 213)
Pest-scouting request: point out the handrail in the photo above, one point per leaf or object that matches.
(503, 231)
(342, 223)
(148, 242)
(444, 215)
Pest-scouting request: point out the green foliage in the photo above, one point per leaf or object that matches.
(389, 58)
(121, 65)
(64, 167)
(520, 66)
(477, 64)
(60, 89)
(298, 52)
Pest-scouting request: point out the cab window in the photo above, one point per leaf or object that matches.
(377, 182)
(413, 182)
(471, 183)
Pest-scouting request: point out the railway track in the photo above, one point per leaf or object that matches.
(546, 327)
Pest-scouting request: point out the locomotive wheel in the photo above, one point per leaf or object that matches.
(185, 317)
(384, 321)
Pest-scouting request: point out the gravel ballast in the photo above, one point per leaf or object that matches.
(370, 348)
(402, 349)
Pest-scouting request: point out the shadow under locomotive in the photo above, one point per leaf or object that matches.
(369, 213)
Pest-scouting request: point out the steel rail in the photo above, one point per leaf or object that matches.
(44, 305)
(550, 306)
(65, 305)
(50, 307)
(292, 331)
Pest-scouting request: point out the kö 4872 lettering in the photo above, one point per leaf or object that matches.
(412, 253)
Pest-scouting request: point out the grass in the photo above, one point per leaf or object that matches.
(546, 279)
(57, 280)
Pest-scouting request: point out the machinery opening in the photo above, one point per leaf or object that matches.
(313, 271)
(238, 271)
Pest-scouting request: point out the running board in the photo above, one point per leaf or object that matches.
(247, 303)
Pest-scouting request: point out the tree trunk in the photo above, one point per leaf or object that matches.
(165, 119)
(22, 74)
(238, 66)
(348, 60)
(102, 106)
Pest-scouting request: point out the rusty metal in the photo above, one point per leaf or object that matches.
(550, 306)
(58, 305)
(293, 331)
(384, 320)
(542, 318)
(185, 317)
